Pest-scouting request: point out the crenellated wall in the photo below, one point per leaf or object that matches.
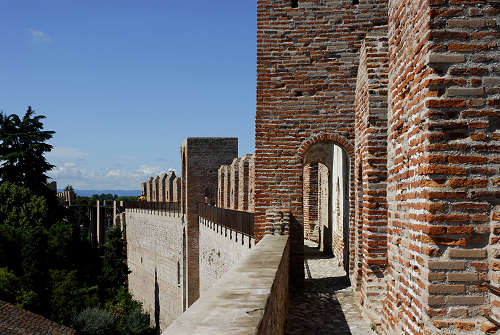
(162, 188)
(236, 183)
(244, 182)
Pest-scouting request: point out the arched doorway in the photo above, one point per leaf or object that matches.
(326, 200)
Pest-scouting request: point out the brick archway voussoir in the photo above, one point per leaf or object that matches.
(321, 138)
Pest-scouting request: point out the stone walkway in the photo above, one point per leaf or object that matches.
(327, 305)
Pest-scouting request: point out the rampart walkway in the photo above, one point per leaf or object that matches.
(327, 305)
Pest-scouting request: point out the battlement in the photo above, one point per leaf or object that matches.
(236, 184)
(162, 188)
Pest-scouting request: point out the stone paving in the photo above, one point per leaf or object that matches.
(327, 305)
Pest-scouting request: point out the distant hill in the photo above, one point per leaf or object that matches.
(120, 193)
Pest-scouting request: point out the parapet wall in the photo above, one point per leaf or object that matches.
(155, 257)
(236, 184)
(220, 250)
(162, 188)
(252, 298)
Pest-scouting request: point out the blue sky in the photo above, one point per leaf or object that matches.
(124, 82)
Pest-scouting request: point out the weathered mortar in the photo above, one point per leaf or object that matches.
(371, 172)
(443, 164)
(311, 202)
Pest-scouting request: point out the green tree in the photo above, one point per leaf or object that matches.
(128, 314)
(8, 284)
(68, 295)
(114, 266)
(22, 148)
(94, 321)
(21, 211)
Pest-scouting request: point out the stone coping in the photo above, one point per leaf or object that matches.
(236, 303)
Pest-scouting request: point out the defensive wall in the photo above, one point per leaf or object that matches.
(162, 188)
(221, 248)
(236, 184)
(252, 298)
(377, 134)
(155, 259)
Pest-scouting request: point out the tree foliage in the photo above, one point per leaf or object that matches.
(22, 149)
(47, 263)
(114, 268)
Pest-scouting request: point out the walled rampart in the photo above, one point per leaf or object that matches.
(155, 257)
(252, 298)
(221, 249)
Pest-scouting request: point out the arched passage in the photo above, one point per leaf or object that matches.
(331, 154)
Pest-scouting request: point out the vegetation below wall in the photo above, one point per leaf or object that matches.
(47, 264)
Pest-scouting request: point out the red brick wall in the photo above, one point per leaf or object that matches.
(306, 70)
(310, 200)
(371, 172)
(442, 163)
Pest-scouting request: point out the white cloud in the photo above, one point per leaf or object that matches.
(149, 170)
(39, 36)
(66, 153)
(70, 173)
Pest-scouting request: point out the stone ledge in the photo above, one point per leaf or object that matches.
(238, 302)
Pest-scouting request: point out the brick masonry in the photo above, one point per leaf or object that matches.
(244, 182)
(235, 185)
(251, 185)
(149, 189)
(162, 188)
(176, 189)
(443, 165)
(201, 159)
(311, 204)
(398, 103)
(370, 168)
(306, 76)
(234, 176)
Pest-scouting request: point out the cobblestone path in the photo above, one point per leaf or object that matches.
(327, 305)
